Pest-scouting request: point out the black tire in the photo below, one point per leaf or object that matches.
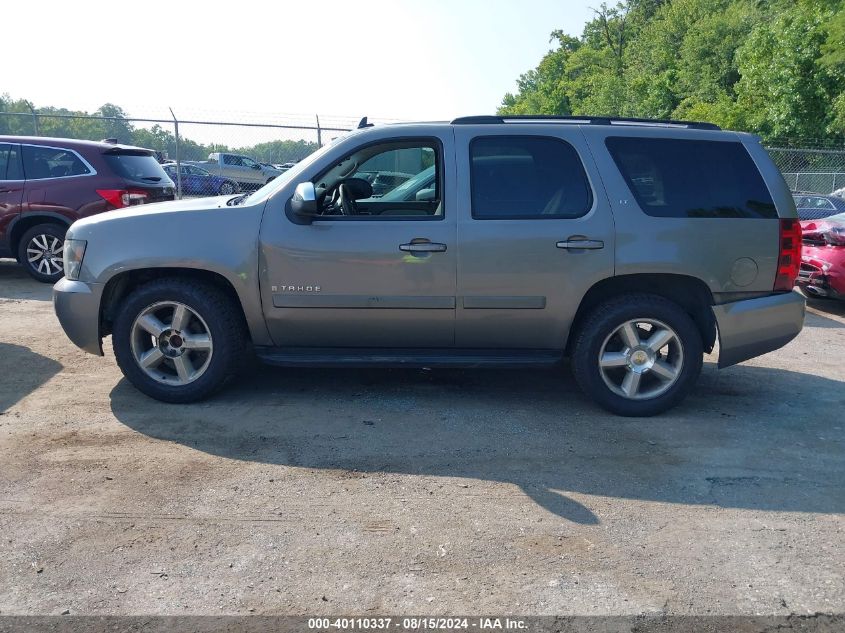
(51, 235)
(226, 329)
(603, 321)
(227, 188)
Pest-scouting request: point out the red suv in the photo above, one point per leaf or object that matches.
(48, 183)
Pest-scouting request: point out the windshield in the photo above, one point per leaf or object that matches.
(409, 189)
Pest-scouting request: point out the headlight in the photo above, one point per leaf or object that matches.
(74, 251)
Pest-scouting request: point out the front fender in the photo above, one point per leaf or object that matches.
(221, 240)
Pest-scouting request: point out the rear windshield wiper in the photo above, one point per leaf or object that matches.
(151, 178)
(236, 201)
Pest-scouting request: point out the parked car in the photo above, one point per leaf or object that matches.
(626, 248)
(423, 186)
(248, 173)
(48, 183)
(822, 271)
(197, 181)
(814, 206)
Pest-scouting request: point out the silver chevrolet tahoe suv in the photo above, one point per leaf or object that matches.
(627, 246)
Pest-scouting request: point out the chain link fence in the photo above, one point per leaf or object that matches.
(275, 142)
(191, 147)
(812, 170)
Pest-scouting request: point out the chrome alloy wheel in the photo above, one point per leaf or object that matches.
(171, 343)
(44, 254)
(641, 359)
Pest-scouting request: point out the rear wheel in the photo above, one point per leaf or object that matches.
(637, 355)
(40, 252)
(227, 188)
(178, 340)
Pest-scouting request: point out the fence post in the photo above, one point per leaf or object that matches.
(34, 119)
(319, 132)
(178, 156)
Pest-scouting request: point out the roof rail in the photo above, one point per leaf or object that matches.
(587, 120)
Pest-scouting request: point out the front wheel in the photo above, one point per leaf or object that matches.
(178, 340)
(637, 355)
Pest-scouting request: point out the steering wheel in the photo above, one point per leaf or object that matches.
(347, 202)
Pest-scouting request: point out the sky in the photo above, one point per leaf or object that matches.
(244, 59)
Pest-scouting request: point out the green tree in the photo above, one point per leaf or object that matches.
(774, 67)
(783, 92)
(543, 90)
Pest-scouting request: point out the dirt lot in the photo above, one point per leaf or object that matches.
(347, 491)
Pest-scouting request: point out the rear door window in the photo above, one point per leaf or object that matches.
(10, 162)
(524, 177)
(135, 166)
(681, 178)
(42, 163)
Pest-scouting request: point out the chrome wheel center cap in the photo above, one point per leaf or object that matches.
(640, 359)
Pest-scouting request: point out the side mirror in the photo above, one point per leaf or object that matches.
(304, 201)
(256, 166)
(425, 195)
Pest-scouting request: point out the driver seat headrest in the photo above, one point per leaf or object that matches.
(358, 188)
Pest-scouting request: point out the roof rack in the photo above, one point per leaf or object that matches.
(587, 120)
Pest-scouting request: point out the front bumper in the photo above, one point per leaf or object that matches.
(757, 326)
(819, 277)
(77, 306)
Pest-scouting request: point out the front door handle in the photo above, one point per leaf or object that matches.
(580, 244)
(422, 246)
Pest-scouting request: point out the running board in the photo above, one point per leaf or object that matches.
(353, 357)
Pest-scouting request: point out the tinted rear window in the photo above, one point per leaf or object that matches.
(692, 179)
(142, 167)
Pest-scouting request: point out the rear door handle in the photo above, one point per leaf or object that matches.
(581, 244)
(420, 246)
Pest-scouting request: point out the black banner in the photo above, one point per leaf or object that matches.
(816, 623)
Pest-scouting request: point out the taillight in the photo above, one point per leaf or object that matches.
(120, 198)
(789, 257)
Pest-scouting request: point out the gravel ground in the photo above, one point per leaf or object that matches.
(427, 492)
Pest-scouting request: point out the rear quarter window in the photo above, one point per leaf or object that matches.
(42, 163)
(679, 178)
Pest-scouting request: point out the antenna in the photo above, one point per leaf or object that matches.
(363, 123)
